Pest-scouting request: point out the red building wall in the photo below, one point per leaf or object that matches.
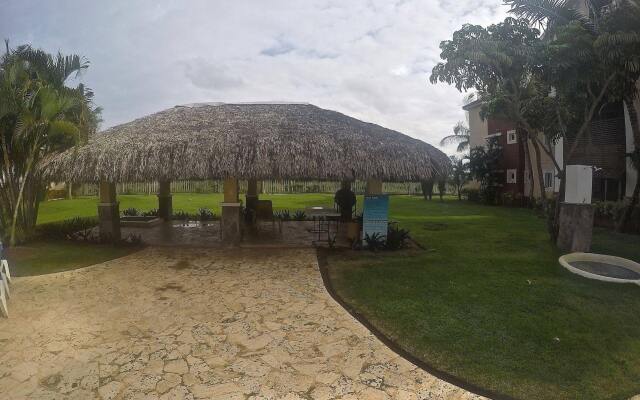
(512, 154)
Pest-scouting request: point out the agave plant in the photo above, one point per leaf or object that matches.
(299, 215)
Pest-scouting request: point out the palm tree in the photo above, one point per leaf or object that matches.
(461, 136)
(39, 114)
(617, 25)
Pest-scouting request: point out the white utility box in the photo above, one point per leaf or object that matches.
(578, 184)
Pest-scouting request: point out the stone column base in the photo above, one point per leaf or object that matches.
(165, 207)
(109, 221)
(576, 227)
(231, 223)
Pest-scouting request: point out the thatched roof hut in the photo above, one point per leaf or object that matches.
(247, 141)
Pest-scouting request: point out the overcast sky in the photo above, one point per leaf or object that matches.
(368, 59)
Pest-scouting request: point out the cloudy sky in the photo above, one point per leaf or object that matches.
(370, 59)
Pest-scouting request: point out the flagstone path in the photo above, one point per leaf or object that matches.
(197, 324)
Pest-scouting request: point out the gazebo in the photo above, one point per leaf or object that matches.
(243, 141)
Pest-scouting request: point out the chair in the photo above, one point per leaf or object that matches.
(5, 279)
(264, 212)
(4, 267)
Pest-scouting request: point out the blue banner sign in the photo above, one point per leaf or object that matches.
(375, 216)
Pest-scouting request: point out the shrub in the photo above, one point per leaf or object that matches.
(151, 213)
(131, 212)
(56, 194)
(205, 214)
(284, 215)
(180, 215)
(66, 229)
(299, 215)
(397, 238)
(472, 195)
(375, 242)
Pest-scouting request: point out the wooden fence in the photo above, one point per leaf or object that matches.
(271, 186)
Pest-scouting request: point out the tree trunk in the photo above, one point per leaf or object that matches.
(427, 189)
(536, 150)
(625, 218)
(525, 144)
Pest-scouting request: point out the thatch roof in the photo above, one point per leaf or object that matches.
(262, 141)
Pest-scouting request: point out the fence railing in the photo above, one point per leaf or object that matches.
(270, 186)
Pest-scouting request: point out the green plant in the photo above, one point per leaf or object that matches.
(472, 194)
(299, 215)
(375, 241)
(397, 238)
(181, 215)
(65, 229)
(39, 115)
(151, 213)
(130, 212)
(205, 214)
(283, 215)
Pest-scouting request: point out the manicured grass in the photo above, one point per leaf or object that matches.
(56, 210)
(38, 258)
(489, 303)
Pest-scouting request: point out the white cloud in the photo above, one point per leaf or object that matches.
(367, 58)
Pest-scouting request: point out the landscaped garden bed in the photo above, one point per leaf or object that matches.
(488, 303)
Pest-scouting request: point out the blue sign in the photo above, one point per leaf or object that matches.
(375, 216)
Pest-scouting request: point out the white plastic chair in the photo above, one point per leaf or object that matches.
(5, 279)
(4, 267)
(3, 296)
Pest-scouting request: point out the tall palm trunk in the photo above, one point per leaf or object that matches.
(624, 220)
(525, 145)
(536, 150)
(19, 201)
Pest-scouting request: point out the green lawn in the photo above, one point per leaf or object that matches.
(486, 301)
(489, 303)
(56, 210)
(40, 257)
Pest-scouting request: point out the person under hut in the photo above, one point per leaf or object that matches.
(345, 199)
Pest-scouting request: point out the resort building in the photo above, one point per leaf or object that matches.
(610, 139)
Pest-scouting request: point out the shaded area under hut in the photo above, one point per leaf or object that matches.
(246, 141)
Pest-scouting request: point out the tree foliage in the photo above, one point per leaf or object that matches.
(550, 84)
(461, 136)
(39, 114)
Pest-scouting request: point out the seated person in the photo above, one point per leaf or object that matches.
(345, 199)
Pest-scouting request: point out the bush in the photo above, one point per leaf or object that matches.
(131, 212)
(181, 215)
(299, 215)
(397, 238)
(205, 214)
(472, 195)
(56, 194)
(375, 242)
(67, 229)
(283, 215)
(609, 209)
(151, 213)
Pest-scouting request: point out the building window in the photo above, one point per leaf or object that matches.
(512, 175)
(512, 137)
(548, 179)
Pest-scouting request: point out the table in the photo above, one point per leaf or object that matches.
(323, 221)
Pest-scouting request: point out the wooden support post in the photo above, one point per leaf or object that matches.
(374, 186)
(230, 221)
(109, 213)
(251, 199)
(231, 187)
(165, 201)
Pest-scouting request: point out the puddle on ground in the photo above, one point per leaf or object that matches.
(51, 381)
(181, 264)
(170, 286)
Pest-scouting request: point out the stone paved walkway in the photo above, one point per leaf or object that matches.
(191, 324)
